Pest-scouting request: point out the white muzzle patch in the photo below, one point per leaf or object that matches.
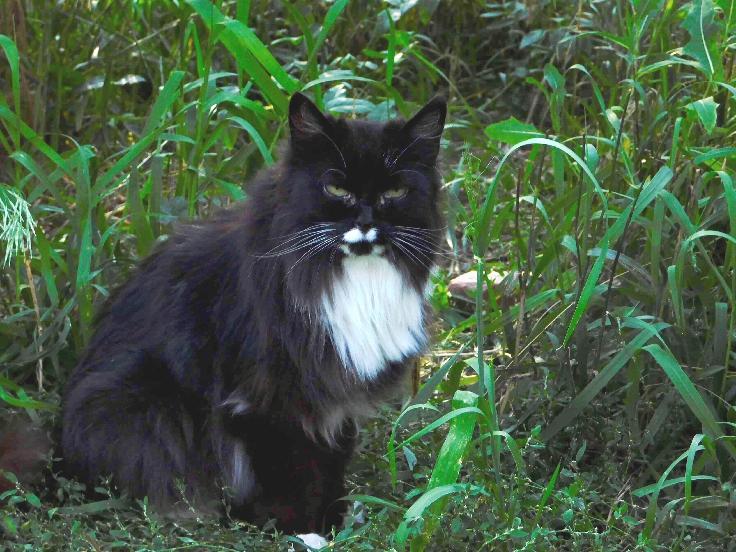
(356, 235)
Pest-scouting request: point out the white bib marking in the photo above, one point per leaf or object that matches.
(373, 315)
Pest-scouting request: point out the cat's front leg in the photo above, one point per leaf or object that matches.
(299, 481)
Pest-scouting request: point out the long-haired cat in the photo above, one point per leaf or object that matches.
(243, 350)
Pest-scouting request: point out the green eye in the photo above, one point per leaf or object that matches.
(337, 191)
(394, 193)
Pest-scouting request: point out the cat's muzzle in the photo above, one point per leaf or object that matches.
(357, 241)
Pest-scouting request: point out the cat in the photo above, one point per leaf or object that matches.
(244, 350)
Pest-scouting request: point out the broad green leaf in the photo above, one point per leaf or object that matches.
(368, 499)
(649, 489)
(700, 524)
(716, 153)
(548, 490)
(24, 403)
(703, 29)
(531, 38)
(104, 184)
(425, 392)
(594, 84)
(512, 131)
(652, 189)
(652, 509)
(707, 111)
(44, 250)
(86, 249)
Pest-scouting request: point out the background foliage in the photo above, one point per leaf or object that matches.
(583, 400)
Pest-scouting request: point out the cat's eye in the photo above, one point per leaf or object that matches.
(331, 182)
(394, 193)
(338, 192)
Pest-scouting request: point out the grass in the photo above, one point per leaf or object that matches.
(584, 401)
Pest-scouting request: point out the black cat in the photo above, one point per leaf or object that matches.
(244, 349)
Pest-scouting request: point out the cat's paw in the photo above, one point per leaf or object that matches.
(313, 540)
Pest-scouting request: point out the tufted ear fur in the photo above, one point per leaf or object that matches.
(423, 130)
(306, 121)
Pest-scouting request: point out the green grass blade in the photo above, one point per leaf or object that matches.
(586, 294)
(11, 53)
(29, 134)
(425, 392)
(447, 466)
(139, 220)
(417, 510)
(330, 19)
(47, 273)
(166, 98)
(649, 489)
(548, 490)
(613, 367)
(247, 62)
(486, 211)
(685, 388)
(255, 136)
(259, 51)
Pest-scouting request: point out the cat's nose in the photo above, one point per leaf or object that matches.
(365, 218)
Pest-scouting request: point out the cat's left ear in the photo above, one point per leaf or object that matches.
(424, 129)
(305, 119)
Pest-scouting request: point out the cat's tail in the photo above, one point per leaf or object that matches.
(23, 452)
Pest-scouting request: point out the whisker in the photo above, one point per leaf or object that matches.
(411, 255)
(312, 252)
(406, 170)
(423, 242)
(308, 228)
(420, 239)
(422, 230)
(423, 250)
(305, 241)
(396, 159)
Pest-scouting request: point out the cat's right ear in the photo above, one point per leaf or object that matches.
(305, 120)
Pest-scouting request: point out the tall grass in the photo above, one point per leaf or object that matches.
(583, 396)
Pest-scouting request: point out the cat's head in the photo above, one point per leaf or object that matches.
(358, 187)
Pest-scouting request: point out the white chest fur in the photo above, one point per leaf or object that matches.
(373, 315)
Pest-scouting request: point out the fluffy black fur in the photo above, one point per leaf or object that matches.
(209, 367)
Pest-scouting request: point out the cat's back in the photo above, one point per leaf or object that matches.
(174, 297)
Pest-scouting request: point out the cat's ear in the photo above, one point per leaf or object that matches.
(305, 119)
(423, 130)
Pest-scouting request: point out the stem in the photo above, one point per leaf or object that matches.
(39, 331)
